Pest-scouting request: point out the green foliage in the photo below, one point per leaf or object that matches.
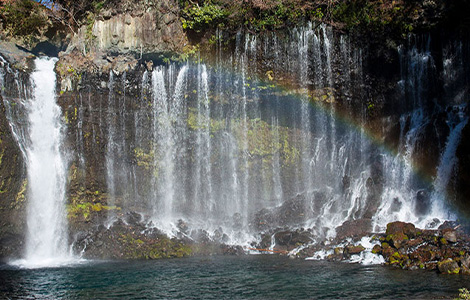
(98, 5)
(464, 294)
(377, 16)
(89, 27)
(23, 18)
(197, 17)
(317, 14)
(281, 14)
(395, 17)
(259, 16)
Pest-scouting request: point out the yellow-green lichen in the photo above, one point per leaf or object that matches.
(21, 195)
(77, 210)
(144, 158)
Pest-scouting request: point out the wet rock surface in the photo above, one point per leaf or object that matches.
(445, 249)
(130, 237)
(290, 213)
(354, 228)
(13, 182)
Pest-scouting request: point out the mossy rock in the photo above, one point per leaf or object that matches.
(397, 239)
(377, 249)
(401, 227)
(140, 247)
(448, 266)
(351, 249)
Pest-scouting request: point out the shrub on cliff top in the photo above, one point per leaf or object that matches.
(257, 15)
(397, 17)
(23, 17)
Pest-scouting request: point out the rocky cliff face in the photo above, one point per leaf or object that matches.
(13, 183)
(406, 98)
(133, 27)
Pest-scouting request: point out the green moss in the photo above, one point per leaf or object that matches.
(143, 248)
(262, 143)
(385, 245)
(85, 209)
(21, 195)
(98, 5)
(145, 159)
(4, 186)
(397, 237)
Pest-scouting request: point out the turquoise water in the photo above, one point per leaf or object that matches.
(248, 277)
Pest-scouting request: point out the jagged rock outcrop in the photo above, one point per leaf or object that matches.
(13, 182)
(137, 27)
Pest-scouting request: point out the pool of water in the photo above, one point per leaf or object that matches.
(247, 277)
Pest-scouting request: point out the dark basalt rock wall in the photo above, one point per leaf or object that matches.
(13, 182)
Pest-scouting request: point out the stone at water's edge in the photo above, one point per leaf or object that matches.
(407, 247)
(354, 228)
(448, 266)
(400, 227)
(352, 249)
(450, 236)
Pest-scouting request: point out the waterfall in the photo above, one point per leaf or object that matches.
(203, 175)
(256, 142)
(169, 128)
(447, 164)
(406, 196)
(111, 147)
(224, 145)
(46, 238)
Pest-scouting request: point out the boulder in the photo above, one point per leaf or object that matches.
(450, 236)
(465, 261)
(354, 228)
(401, 227)
(339, 251)
(377, 249)
(464, 270)
(397, 239)
(292, 239)
(352, 249)
(15, 55)
(448, 266)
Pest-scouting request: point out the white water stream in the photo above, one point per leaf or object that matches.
(46, 237)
